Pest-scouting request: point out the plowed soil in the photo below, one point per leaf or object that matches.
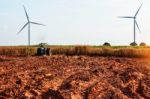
(74, 77)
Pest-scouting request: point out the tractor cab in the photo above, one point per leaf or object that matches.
(43, 49)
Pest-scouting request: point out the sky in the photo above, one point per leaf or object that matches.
(73, 22)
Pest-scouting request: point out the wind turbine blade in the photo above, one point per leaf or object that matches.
(138, 10)
(37, 23)
(23, 27)
(125, 17)
(26, 13)
(137, 25)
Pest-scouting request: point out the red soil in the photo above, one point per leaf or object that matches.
(74, 77)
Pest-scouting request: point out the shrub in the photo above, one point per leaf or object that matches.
(142, 44)
(106, 44)
(133, 44)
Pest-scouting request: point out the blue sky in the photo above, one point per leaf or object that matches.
(90, 22)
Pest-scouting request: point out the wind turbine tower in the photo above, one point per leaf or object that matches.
(29, 26)
(135, 22)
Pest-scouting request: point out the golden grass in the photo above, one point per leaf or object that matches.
(79, 50)
(17, 51)
(103, 51)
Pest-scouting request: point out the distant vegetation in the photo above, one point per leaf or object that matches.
(142, 44)
(133, 44)
(118, 51)
(106, 44)
(17, 51)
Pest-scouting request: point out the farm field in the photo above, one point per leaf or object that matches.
(74, 77)
(117, 51)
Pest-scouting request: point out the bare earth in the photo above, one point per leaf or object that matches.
(74, 77)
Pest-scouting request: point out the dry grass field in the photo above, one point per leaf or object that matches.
(80, 50)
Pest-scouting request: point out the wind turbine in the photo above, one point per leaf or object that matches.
(29, 25)
(135, 22)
